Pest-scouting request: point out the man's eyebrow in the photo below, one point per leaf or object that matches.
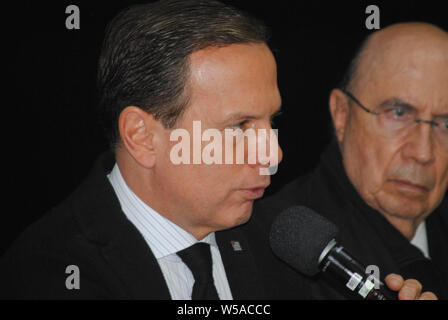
(239, 116)
(397, 103)
(244, 115)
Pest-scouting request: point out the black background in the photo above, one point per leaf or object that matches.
(50, 132)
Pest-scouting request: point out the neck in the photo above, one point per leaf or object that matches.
(407, 227)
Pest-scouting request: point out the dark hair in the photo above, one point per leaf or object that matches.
(144, 58)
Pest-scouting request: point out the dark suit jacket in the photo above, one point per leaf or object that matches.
(363, 231)
(89, 230)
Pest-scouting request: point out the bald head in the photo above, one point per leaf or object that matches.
(395, 147)
(397, 48)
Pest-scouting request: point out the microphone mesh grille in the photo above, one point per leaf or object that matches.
(299, 235)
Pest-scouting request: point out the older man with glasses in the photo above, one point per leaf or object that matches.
(383, 179)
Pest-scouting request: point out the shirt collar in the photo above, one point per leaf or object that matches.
(162, 235)
(420, 240)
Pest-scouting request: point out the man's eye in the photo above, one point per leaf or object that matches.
(398, 112)
(239, 125)
(444, 125)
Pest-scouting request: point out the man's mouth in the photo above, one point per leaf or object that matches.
(255, 192)
(410, 188)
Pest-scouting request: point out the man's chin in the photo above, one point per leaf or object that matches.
(245, 214)
(237, 216)
(403, 207)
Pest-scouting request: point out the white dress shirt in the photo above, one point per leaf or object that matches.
(165, 238)
(420, 240)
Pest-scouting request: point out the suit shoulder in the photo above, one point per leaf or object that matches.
(51, 232)
(36, 264)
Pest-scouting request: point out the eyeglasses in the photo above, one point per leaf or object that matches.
(396, 119)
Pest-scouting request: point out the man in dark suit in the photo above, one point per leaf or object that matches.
(383, 179)
(164, 68)
(154, 220)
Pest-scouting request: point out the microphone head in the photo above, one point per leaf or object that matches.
(299, 235)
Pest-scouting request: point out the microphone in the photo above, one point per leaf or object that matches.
(306, 241)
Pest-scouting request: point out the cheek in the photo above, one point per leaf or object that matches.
(442, 177)
(203, 180)
(206, 185)
(212, 195)
(367, 159)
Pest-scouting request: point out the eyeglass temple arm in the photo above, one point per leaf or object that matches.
(357, 102)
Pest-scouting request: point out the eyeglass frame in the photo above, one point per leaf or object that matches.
(351, 96)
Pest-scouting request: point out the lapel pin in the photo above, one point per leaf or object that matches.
(236, 245)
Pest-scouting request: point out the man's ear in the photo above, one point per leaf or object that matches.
(139, 133)
(339, 110)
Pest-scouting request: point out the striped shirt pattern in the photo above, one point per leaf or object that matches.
(165, 238)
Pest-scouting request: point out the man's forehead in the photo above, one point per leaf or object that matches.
(408, 37)
(402, 48)
(243, 54)
(233, 82)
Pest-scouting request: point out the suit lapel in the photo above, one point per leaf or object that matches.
(102, 221)
(134, 262)
(242, 273)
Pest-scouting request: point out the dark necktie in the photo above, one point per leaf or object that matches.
(198, 258)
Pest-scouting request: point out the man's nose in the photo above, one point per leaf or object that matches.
(420, 144)
(269, 153)
(274, 150)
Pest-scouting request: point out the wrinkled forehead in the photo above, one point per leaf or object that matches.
(405, 52)
(409, 69)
